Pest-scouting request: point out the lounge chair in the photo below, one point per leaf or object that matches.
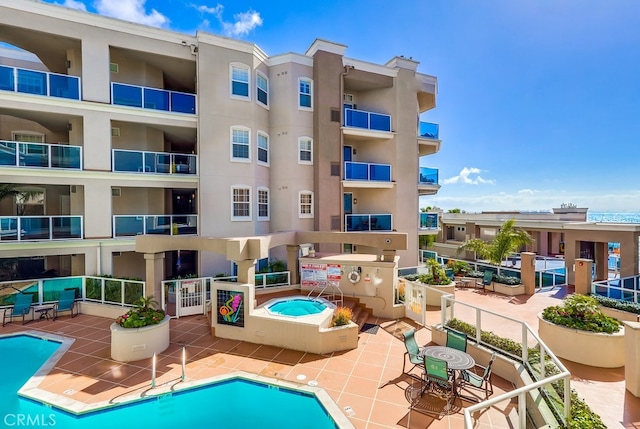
(21, 307)
(479, 378)
(457, 340)
(66, 302)
(437, 378)
(413, 352)
(486, 280)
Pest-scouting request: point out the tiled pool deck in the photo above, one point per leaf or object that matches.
(367, 381)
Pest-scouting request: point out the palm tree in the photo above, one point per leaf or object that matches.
(508, 240)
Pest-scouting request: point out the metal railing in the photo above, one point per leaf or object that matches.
(367, 171)
(43, 155)
(131, 225)
(141, 161)
(38, 82)
(152, 98)
(368, 222)
(624, 289)
(263, 280)
(27, 228)
(367, 120)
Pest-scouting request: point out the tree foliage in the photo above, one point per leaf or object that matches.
(508, 240)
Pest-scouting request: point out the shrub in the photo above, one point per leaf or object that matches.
(458, 267)
(341, 316)
(507, 280)
(144, 314)
(583, 313)
(604, 301)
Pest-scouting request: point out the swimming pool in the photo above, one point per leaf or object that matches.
(236, 400)
(298, 306)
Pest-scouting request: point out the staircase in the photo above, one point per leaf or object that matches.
(360, 311)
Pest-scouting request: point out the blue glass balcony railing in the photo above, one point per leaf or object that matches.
(368, 222)
(132, 225)
(428, 176)
(39, 83)
(428, 130)
(428, 221)
(367, 120)
(17, 154)
(367, 171)
(25, 228)
(152, 98)
(138, 161)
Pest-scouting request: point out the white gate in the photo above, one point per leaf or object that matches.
(415, 302)
(190, 297)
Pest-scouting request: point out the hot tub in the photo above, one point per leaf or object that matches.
(298, 306)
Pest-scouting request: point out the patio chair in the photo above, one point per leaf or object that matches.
(437, 378)
(457, 340)
(479, 378)
(486, 280)
(21, 307)
(413, 352)
(66, 302)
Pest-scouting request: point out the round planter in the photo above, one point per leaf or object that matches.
(588, 348)
(433, 299)
(129, 344)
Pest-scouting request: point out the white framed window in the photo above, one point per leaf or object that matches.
(305, 150)
(240, 144)
(305, 93)
(240, 203)
(263, 148)
(262, 89)
(240, 81)
(263, 204)
(305, 204)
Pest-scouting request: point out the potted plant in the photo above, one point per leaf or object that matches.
(578, 328)
(341, 316)
(140, 332)
(459, 268)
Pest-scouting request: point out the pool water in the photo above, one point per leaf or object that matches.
(235, 402)
(297, 307)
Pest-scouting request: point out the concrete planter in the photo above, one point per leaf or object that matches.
(129, 344)
(620, 315)
(588, 348)
(434, 299)
(510, 290)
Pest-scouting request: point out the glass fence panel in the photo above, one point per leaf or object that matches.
(356, 170)
(126, 226)
(127, 95)
(127, 161)
(380, 122)
(33, 155)
(429, 130)
(8, 153)
(32, 82)
(67, 227)
(380, 172)
(428, 175)
(158, 225)
(163, 163)
(357, 223)
(184, 225)
(429, 220)
(133, 291)
(381, 223)
(65, 157)
(51, 288)
(6, 78)
(356, 118)
(35, 228)
(156, 99)
(8, 228)
(64, 86)
(183, 103)
(93, 288)
(184, 164)
(113, 291)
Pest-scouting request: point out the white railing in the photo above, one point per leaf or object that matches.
(624, 289)
(263, 280)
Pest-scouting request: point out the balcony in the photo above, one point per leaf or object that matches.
(132, 225)
(361, 123)
(368, 222)
(428, 138)
(136, 161)
(428, 181)
(29, 228)
(40, 155)
(39, 83)
(429, 222)
(152, 98)
(367, 175)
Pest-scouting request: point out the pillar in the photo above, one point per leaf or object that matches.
(629, 255)
(154, 266)
(582, 274)
(632, 357)
(602, 260)
(247, 271)
(528, 272)
(292, 263)
(571, 246)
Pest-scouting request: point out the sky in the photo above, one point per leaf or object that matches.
(538, 100)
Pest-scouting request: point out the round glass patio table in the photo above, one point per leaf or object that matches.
(456, 359)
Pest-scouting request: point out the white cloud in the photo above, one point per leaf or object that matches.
(528, 191)
(131, 10)
(244, 23)
(73, 4)
(217, 10)
(468, 176)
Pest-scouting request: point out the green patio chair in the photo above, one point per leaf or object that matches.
(413, 353)
(479, 378)
(457, 340)
(437, 378)
(21, 307)
(66, 302)
(486, 280)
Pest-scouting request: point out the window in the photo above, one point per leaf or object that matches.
(27, 137)
(240, 144)
(241, 203)
(240, 81)
(305, 88)
(263, 204)
(263, 148)
(262, 89)
(305, 147)
(306, 204)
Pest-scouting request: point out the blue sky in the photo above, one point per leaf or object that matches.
(539, 100)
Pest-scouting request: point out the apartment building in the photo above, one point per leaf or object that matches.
(110, 129)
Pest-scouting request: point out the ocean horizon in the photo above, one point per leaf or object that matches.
(613, 217)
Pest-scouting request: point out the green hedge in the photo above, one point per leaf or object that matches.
(631, 307)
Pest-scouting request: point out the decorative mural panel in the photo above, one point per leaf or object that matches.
(231, 308)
